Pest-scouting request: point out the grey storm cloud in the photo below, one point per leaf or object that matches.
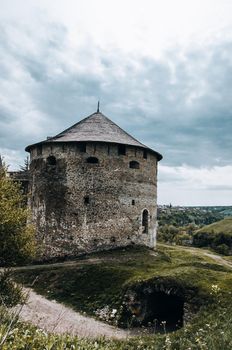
(179, 105)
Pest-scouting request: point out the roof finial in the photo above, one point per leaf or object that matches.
(98, 106)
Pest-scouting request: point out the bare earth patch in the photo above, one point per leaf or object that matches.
(54, 317)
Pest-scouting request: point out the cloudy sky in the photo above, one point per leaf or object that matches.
(162, 70)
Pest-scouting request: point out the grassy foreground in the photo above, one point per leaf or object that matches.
(213, 333)
(104, 279)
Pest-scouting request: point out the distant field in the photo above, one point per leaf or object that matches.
(182, 216)
(178, 225)
(227, 212)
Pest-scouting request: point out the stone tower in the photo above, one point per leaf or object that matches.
(93, 187)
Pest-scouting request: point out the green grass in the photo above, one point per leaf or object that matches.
(228, 258)
(224, 226)
(89, 286)
(212, 331)
(217, 236)
(104, 278)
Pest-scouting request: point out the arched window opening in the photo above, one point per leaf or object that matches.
(145, 221)
(92, 160)
(51, 160)
(86, 200)
(134, 165)
(133, 202)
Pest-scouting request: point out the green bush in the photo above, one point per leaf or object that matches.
(16, 237)
(183, 239)
(11, 293)
(219, 241)
(222, 249)
(178, 235)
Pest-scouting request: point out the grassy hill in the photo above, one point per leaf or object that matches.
(171, 289)
(217, 236)
(224, 226)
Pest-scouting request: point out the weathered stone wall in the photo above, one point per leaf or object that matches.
(80, 207)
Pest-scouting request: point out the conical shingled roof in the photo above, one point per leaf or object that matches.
(96, 127)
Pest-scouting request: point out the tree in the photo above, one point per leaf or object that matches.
(17, 244)
(25, 166)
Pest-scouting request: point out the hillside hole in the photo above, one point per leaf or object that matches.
(164, 310)
(157, 310)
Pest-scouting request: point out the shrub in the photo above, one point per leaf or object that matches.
(219, 241)
(183, 239)
(222, 249)
(11, 293)
(16, 237)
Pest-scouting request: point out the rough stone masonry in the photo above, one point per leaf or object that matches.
(93, 187)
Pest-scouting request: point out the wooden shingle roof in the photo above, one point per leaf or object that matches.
(96, 127)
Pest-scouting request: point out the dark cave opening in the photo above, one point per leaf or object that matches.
(164, 311)
(156, 310)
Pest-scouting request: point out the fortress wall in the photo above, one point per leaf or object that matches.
(79, 207)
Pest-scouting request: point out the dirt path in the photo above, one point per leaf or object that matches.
(219, 259)
(56, 318)
(77, 262)
(215, 257)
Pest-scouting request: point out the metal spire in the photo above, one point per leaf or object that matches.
(98, 106)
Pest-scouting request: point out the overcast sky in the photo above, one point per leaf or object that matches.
(162, 70)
